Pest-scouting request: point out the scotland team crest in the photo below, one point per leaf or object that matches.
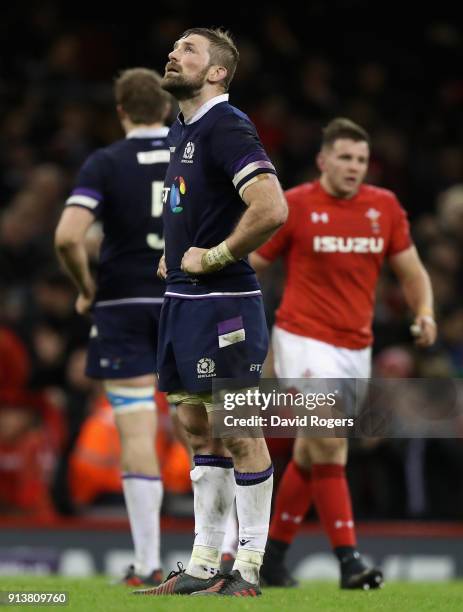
(188, 153)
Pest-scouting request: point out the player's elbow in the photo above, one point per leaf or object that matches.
(65, 239)
(279, 217)
(278, 214)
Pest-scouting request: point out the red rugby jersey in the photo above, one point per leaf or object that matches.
(333, 250)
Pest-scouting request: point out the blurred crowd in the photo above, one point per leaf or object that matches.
(297, 72)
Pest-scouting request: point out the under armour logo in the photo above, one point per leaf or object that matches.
(322, 217)
(243, 542)
(341, 524)
(293, 518)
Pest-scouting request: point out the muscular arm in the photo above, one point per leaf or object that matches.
(267, 211)
(417, 289)
(70, 248)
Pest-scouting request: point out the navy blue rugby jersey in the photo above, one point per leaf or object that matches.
(213, 158)
(122, 186)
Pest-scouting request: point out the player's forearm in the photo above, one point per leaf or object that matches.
(418, 293)
(254, 229)
(74, 260)
(267, 211)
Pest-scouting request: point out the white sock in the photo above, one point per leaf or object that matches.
(143, 498)
(214, 492)
(253, 504)
(230, 541)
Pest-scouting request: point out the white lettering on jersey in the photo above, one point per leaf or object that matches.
(153, 157)
(340, 244)
(165, 194)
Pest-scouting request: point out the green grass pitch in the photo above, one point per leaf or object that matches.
(97, 595)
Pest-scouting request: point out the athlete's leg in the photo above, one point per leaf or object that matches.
(334, 508)
(331, 490)
(230, 541)
(254, 480)
(135, 415)
(293, 499)
(294, 494)
(213, 487)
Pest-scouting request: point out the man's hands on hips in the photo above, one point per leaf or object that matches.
(86, 297)
(162, 268)
(192, 261)
(84, 303)
(424, 329)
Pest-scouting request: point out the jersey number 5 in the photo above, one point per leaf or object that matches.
(155, 241)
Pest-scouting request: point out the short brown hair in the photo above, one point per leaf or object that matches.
(223, 50)
(343, 128)
(139, 92)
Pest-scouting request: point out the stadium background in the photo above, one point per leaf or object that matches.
(297, 71)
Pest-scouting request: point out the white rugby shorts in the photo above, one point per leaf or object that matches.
(299, 357)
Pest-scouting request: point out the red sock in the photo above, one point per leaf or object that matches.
(332, 500)
(293, 499)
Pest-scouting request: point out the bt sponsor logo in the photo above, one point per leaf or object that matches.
(173, 194)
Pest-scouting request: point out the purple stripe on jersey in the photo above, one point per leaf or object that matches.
(224, 327)
(128, 475)
(263, 169)
(90, 210)
(208, 296)
(255, 156)
(253, 478)
(214, 461)
(91, 193)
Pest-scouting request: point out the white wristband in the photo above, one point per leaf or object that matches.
(217, 258)
(415, 329)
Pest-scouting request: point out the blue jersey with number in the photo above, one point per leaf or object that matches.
(214, 157)
(122, 186)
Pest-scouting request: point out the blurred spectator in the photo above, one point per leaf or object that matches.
(94, 464)
(14, 361)
(32, 433)
(450, 210)
(394, 362)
